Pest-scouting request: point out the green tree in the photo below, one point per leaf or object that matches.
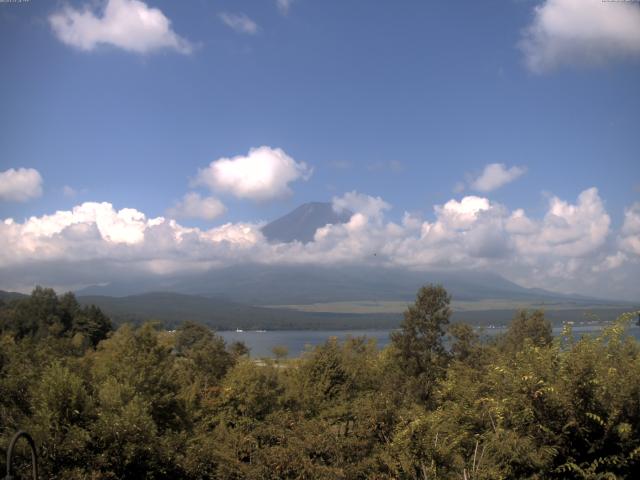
(206, 350)
(465, 344)
(419, 343)
(62, 413)
(45, 315)
(527, 325)
(92, 324)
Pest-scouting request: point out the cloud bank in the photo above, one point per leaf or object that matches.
(127, 24)
(581, 32)
(571, 248)
(263, 174)
(20, 185)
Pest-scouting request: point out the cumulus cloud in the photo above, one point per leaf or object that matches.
(373, 207)
(630, 233)
(264, 173)
(193, 205)
(570, 248)
(239, 22)
(96, 233)
(581, 32)
(20, 185)
(127, 24)
(495, 175)
(610, 262)
(567, 230)
(460, 214)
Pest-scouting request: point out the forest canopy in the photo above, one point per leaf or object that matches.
(437, 402)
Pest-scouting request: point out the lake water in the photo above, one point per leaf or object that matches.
(261, 343)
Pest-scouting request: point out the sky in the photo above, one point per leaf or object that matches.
(159, 136)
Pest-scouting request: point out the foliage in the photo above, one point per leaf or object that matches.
(44, 314)
(419, 346)
(531, 326)
(141, 402)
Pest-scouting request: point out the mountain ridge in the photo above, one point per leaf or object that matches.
(302, 223)
(255, 284)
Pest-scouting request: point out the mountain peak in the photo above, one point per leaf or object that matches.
(301, 224)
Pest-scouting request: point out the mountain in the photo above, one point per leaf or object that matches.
(302, 284)
(172, 309)
(301, 224)
(8, 296)
(258, 284)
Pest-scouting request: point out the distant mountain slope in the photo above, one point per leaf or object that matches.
(257, 284)
(6, 296)
(172, 309)
(301, 224)
(303, 284)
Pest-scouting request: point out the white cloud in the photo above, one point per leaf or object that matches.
(239, 22)
(372, 207)
(284, 6)
(127, 24)
(98, 232)
(263, 174)
(124, 226)
(20, 185)
(193, 205)
(567, 230)
(571, 248)
(630, 233)
(495, 175)
(461, 214)
(581, 32)
(611, 262)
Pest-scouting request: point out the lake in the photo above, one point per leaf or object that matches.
(262, 342)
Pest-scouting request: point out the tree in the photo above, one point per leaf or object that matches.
(46, 315)
(466, 343)
(238, 349)
(62, 411)
(280, 352)
(91, 323)
(531, 325)
(205, 350)
(418, 345)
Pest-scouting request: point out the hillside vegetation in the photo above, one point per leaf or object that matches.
(142, 402)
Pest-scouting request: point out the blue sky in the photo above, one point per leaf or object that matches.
(407, 101)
